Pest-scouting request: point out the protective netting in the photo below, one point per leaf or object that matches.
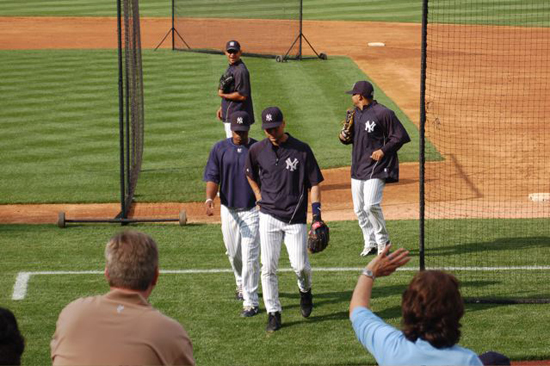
(487, 105)
(133, 99)
(262, 27)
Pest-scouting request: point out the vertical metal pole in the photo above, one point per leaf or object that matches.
(173, 28)
(422, 154)
(301, 33)
(121, 109)
(128, 181)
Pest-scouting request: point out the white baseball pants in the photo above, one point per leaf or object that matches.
(227, 128)
(273, 233)
(241, 239)
(367, 197)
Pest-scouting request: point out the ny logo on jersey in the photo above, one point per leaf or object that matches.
(240, 120)
(268, 117)
(239, 150)
(291, 165)
(369, 126)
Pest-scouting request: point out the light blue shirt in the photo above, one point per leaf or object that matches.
(389, 346)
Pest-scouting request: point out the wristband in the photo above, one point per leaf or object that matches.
(208, 200)
(316, 208)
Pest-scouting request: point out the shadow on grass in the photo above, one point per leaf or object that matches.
(501, 244)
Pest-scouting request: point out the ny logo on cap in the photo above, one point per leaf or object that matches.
(268, 117)
(240, 120)
(231, 43)
(291, 165)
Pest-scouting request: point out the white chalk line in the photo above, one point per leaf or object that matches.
(23, 278)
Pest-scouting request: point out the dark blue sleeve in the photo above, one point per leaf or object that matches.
(242, 81)
(251, 165)
(212, 169)
(396, 133)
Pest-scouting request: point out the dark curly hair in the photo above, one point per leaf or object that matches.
(432, 308)
(12, 343)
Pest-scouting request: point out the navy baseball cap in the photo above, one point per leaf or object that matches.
(492, 358)
(240, 121)
(233, 46)
(271, 117)
(364, 88)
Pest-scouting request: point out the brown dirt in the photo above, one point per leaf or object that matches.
(395, 68)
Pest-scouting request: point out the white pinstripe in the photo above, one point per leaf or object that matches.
(240, 236)
(367, 197)
(272, 233)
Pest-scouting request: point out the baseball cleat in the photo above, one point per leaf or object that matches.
(250, 311)
(273, 322)
(368, 250)
(381, 247)
(306, 303)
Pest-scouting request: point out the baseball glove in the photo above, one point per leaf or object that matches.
(346, 134)
(318, 236)
(227, 83)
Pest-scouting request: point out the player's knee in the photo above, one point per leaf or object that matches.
(371, 208)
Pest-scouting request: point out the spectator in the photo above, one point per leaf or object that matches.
(121, 327)
(493, 358)
(12, 343)
(431, 308)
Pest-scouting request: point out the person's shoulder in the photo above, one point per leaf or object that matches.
(381, 109)
(259, 145)
(298, 144)
(81, 305)
(162, 324)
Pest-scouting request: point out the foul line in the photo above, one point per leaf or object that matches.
(23, 278)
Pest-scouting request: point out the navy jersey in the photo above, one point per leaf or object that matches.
(242, 85)
(284, 173)
(225, 167)
(377, 127)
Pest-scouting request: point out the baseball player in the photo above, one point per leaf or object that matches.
(281, 170)
(377, 136)
(239, 95)
(239, 215)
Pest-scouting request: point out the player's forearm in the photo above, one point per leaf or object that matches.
(211, 190)
(255, 188)
(316, 194)
(362, 293)
(235, 96)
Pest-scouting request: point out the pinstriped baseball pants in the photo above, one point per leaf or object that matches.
(240, 236)
(273, 233)
(367, 197)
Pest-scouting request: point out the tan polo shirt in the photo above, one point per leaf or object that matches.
(118, 328)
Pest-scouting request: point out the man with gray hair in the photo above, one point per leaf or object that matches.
(121, 327)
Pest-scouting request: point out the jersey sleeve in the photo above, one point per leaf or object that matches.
(251, 165)
(313, 173)
(212, 169)
(242, 81)
(397, 135)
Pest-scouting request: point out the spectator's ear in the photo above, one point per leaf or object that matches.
(155, 279)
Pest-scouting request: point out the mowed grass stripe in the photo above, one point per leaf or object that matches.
(63, 125)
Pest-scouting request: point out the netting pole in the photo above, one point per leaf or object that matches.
(127, 129)
(121, 109)
(173, 38)
(422, 148)
(301, 33)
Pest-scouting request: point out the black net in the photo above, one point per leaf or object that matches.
(263, 27)
(487, 105)
(133, 98)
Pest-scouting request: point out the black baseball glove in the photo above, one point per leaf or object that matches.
(318, 236)
(227, 83)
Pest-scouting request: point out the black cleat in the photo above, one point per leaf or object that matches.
(273, 322)
(250, 311)
(306, 303)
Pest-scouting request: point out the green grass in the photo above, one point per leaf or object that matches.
(59, 120)
(204, 303)
(504, 12)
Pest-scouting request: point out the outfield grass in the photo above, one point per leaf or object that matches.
(59, 120)
(204, 303)
(505, 12)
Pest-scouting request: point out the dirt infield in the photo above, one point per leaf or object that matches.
(395, 68)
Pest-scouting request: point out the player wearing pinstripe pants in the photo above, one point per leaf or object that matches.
(377, 136)
(281, 170)
(239, 214)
